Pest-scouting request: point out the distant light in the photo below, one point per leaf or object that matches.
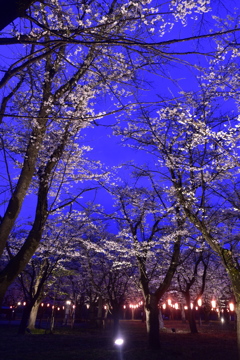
(214, 304)
(119, 342)
(164, 306)
(231, 306)
(199, 302)
(222, 320)
(176, 306)
(169, 301)
(68, 302)
(191, 305)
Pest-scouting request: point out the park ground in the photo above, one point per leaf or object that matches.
(215, 341)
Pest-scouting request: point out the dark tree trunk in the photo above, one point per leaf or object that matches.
(25, 318)
(192, 321)
(100, 313)
(116, 318)
(152, 321)
(12, 9)
(191, 314)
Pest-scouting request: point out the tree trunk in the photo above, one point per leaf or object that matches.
(160, 318)
(152, 321)
(183, 315)
(100, 313)
(4, 284)
(116, 318)
(192, 321)
(33, 315)
(25, 318)
(10, 10)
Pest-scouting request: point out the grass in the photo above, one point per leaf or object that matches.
(214, 342)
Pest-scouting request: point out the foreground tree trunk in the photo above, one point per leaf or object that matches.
(116, 317)
(33, 315)
(192, 321)
(152, 321)
(25, 318)
(12, 9)
(191, 314)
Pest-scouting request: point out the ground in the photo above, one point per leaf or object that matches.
(215, 341)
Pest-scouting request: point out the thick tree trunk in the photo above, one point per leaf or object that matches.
(33, 315)
(192, 321)
(116, 318)
(25, 318)
(152, 321)
(4, 284)
(12, 9)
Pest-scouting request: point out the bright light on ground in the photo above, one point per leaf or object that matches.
(118, 341)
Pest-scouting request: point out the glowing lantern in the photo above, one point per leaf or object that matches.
(214, 304)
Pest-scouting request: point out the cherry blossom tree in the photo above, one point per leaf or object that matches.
(67, 58)
(151, 232)
(199, 273)
(102, 262)
(49, 262)
(195, 142)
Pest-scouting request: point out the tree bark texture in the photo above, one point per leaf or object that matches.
(152, 321)
(33, 315)
(25, 318)
(12, 9)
